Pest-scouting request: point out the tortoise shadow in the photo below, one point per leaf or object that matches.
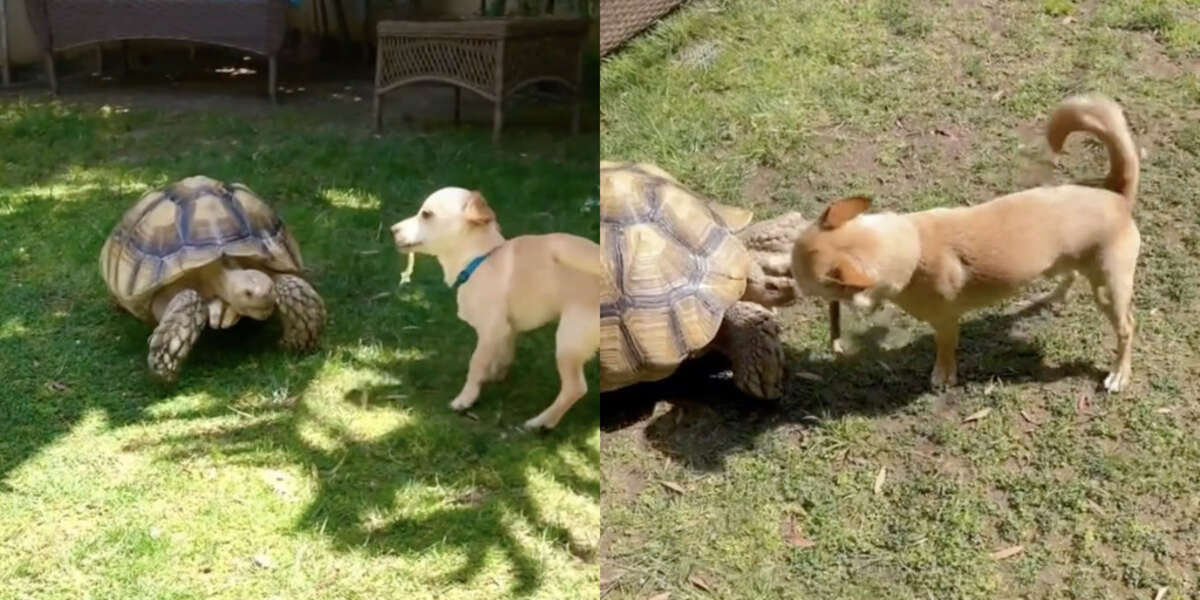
(707, 418)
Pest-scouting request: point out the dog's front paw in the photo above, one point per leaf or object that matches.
(942, 378)
(546, 420)
(1116, 381)
(538, 423)
(462, 402)
(839, 350)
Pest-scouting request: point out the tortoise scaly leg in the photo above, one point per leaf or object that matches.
(301, 310)
(178, 329)
(749, 337)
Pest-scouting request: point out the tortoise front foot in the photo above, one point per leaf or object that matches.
(176, 333)
(749, 337)
(301, 310)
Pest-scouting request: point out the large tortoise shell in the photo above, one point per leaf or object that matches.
(673, 266)
(187, 225)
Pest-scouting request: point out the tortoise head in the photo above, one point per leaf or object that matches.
(249, 292)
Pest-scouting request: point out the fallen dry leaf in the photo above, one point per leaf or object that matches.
(674, 487)
(1029, 419)
(57, 386)
(810, 376)
(1082, 403)
(1068, 20)
(790, 531)
(662, 596)
(1007, 552)
(977, 415)
(1164, 411)
(472, 416)
(264, 561)
(379, 296)
(879, 479)
(700, 582)
(1161, 593)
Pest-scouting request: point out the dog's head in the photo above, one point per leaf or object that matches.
(826, 258)
(446, 218)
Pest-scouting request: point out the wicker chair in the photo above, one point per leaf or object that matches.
(491, 57)
(256, 26)
(620, 20)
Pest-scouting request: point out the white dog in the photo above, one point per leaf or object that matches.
(509, 286)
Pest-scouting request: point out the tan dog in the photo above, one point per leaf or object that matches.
(938, 264)
(517, 285)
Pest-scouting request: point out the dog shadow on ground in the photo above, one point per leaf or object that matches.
(708, 418)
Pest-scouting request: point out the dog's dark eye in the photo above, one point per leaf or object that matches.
(427, 214)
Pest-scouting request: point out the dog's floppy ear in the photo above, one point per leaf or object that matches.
(848, 274)
(840, 211)
(477, 211)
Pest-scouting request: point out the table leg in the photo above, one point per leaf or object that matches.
(497, 120)
(6, 76)
(50, 72)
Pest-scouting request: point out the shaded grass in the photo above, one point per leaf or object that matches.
(804, 102)
(340, 473)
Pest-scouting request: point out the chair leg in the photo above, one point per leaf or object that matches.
(50, 73)
(272, 77)
(377, 113)
(576, 107)
(457, 104)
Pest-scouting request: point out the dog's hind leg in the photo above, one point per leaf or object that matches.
(576, 341)
(945, 366)
(1112, 285)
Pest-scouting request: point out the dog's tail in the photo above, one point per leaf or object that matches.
(1103, 118)
(577, 253)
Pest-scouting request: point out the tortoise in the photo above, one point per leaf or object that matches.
(201, 252)
(679, 282)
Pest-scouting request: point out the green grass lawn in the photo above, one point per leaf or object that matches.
(786, 105)
(337, 474)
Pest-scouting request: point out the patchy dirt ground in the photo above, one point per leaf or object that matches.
(1023, 482)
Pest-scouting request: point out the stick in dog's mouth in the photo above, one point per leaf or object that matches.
(406, 274)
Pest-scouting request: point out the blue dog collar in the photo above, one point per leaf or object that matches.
(465, 274)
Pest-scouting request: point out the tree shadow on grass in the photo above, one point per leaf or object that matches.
(489, 466)
(708, 419)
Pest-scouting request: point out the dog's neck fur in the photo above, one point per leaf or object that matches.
(893, 254)
(454, 260)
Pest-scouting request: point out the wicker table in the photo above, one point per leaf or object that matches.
(491, 57)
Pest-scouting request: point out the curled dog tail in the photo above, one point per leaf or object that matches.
(1102, 118)
(577, 253)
